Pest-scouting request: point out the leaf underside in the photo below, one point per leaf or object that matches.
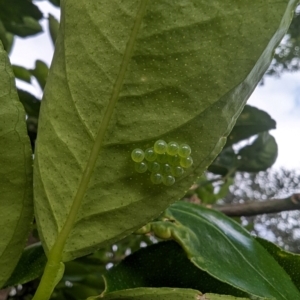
(194, 65)
(16, 211)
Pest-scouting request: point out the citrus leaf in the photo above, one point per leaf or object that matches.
(178, 71)
(163, 294)
(221, 247)
(290, 262)
(16, 211)
(40, 72)
(169, 267)
(260, 155)
(22, 73)
(30, 265)
(53, 26)
(250, 122)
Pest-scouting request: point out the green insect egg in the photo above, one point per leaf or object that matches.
(168, 180)
(137, 155)
(162, 158)
(141, 167)
(173, 160)
(186, 162)
(150, 155)
(160, 147)
(177, 171)
(184, 150)
(153, 166)
(166, 169)
(156, 178)
(172, 148)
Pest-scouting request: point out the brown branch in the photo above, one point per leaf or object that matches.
(254, 208)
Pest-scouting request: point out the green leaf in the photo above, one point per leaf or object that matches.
(162, 294)
(40, 72)
(6, 38)
(221, 247)
(22, 73)
(225, 162)
(250, 122)
(260, 155)
(29, 26)
(53, 26)
(31, 103)
(29, 267)
(119, 87)
(55, 2)
(290, 262)
(16, 212)
(163, 265)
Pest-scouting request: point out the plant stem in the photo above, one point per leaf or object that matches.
(54, 268)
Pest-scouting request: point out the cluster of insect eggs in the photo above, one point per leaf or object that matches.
(165, 161)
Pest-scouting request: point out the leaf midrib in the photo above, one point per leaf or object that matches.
(57, 249)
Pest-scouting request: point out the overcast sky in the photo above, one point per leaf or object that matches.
(279, 97)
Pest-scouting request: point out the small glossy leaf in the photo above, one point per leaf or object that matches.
(179, 72)
(250, 122)
(260, 155)
(40, 72)
(16, 211)
(53, 26)
(290, 262)
(22, 73)
(218, 245)
(29, 267)
(163, 265)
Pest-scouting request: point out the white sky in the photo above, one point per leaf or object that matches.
(279, 97)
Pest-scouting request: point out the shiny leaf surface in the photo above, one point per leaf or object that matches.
(221, 247)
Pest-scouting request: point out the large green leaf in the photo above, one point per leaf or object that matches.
(221, 247)
(16, 211)
(290, 262)
(163, 265)
(163, 294)
(125, 74)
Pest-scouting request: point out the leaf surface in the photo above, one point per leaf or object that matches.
(16, 211)
(183, 74)
(218, 245)
(163, 265)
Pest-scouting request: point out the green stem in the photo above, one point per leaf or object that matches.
(54, 268)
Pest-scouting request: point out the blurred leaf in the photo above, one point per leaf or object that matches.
(40, 72)
(30, 266)
(290, 262)
(16, 211)
(22, 73)
(55, 2)
(16, 10)
(250, 122)
(260, 155)
(226, 161)
(163, 265)
(53, 26)
(218, 245)
(29, 26)
(6, 38)
(30, 103)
